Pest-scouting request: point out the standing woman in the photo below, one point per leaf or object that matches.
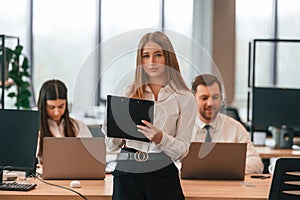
(55, 120)
(142, 175)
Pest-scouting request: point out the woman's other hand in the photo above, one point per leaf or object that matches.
(150, 131)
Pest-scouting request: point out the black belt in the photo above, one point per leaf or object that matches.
(140, 156)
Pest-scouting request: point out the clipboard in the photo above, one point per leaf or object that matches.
(124, 114)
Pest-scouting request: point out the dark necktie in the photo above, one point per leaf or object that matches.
(207, 138)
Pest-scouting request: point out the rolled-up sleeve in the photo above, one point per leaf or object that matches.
(176, 145)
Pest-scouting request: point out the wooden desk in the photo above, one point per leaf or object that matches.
(217, 190)
(257, 189)
(267, 152)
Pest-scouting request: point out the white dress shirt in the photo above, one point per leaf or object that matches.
(174, 115)
(227, 129)
(59, 130)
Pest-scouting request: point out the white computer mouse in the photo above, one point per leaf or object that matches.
(75, 184)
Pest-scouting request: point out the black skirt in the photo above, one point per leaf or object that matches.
(136, 178)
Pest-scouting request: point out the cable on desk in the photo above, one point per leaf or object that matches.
(2, 172)
(4, 168)
(38, 177)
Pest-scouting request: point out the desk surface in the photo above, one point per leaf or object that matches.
(252, 189)
(268, 152)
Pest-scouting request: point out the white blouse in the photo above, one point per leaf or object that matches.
(174, 115)
(59, 131)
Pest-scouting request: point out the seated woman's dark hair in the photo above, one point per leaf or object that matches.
(53, 90)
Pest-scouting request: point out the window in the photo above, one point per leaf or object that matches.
(66, 36)
(253, 20)
(13, 22)
(276, 63)
(179, 16)
(288, 53)
(122, 29)
(65, 33)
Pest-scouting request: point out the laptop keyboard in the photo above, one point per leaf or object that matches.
(17, 186)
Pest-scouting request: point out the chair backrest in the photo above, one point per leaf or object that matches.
(96, 130)
(286, 180)
(232, 112)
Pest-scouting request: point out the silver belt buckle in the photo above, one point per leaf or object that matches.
(141, 156)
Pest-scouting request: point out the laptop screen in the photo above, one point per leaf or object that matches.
(215, 161)
(74, 158)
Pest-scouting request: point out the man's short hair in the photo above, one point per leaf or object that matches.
(206, 80)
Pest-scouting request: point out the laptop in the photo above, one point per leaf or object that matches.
(124, 114)
(74, 158)
(215, 161)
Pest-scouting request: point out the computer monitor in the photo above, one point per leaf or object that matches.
(275, 107)
(18, 140)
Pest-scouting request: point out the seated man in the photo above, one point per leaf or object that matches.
(208, 93)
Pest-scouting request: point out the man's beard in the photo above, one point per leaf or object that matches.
(211, 117)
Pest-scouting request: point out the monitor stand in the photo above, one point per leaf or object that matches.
(33, 172)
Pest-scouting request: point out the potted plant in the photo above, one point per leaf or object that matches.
(19, 74)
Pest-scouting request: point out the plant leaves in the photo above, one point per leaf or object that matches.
(25, 64)
(20, 75)
(18, 50)
(11, 95)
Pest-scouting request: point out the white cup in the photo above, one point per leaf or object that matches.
(271, 168)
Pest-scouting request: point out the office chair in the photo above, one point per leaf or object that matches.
(96, 130)
(233, 112)
(286, 180)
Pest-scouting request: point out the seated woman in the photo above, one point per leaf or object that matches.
(55, 120)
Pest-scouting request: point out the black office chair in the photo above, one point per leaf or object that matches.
(286, 180)
(96, 130)
(232, 112)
